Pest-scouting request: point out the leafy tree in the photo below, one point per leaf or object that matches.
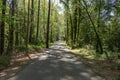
(2, 27)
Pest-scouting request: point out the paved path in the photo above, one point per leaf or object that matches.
(57, 63)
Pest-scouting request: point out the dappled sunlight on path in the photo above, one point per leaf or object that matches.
(57, 63)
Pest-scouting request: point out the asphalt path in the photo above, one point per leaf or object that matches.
(57, 63)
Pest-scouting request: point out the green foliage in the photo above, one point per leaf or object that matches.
(18, 23)
(36, 47)
(113, 41)
(4, 60)
(20, 48)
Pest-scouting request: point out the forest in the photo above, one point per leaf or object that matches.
(87, 27)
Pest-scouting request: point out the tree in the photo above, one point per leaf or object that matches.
(2, 27)
(32, 22)
(38, 21)
(98, 41)
(28, 25)
(48, 23)
(75, 3)
(11, 28)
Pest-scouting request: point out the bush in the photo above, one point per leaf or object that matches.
(113, 41)
(20, 48)
(4, 60)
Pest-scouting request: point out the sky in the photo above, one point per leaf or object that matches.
(57, 2)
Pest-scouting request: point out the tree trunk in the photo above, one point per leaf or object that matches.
(32, 23)
(75, 22)
(44, 25)
(38, 21)
(71, 31)
(17, 26)
(98, 41)
(24, 22)
(11, 29)
(51, 34)
(48, 23)
(28, 24)
(27, 31)
(2, 28)
(67, 23)
(79, 21)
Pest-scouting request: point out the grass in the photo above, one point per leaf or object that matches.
(99, 63)
(31, 47)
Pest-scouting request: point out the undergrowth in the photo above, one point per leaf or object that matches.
(109, 68)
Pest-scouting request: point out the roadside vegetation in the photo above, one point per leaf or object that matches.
(91, 28)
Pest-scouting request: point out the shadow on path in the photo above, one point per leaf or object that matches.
(57, 63)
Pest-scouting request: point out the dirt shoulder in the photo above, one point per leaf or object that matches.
(19, 62)
(103, 67)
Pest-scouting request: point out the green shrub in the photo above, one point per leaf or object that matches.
(20, 48)
(113, 41)
(4, 60)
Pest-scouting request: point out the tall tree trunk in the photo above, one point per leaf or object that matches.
(2, 27)
(51, 26)
(79, 21)
(67, 23)
(71, 22)
(67, 32)
(25, 21)
(11, 29)
(98, 41)
(27, 31)
(44, 25)
(16, 38)
(51, 34)
(28, 25)
(48, 23)
(32, 22)
(17, 26)
(75, 21)
(38, 21)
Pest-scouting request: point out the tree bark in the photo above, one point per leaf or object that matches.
(48, 23)
(28, 25)
(11, 29)
(75, 22)
(38, 21)
(67, 22)
(2, 27)
(98, 41)
(32, 22)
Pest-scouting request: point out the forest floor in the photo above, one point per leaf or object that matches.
(56, 63)
(19, 61)
(98, 63)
